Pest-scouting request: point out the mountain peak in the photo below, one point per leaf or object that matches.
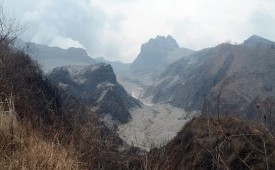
(161, 42)
(259, 42)
(163, 37)
(169, 36)
(154, 53)
(168, 40)
(257, 38)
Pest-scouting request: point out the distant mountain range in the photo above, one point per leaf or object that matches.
(242, 75)
(90, 81)
(52, 57)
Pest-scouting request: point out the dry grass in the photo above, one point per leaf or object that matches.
(225, 143)
(90, 146)
(21, 148)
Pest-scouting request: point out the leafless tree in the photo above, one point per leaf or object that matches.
(9, 27)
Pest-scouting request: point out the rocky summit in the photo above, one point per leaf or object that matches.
(156, 54)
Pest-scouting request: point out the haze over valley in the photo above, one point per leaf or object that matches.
(166, 85)
(137, 84)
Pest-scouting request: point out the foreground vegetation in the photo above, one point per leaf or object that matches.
(204, 143)
(212, 143)
(42, 131)
(22, 148)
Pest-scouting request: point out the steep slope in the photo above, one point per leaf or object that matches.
(259, 42)
(22, 148)
(95, 86)
(240, 75)
(22, 83)
(154, 56)
(38, 130)
(228, 143)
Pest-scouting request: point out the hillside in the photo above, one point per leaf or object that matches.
(256, 41)
(22, 147)
(22, 81)
(41, 130)
(96, 87)
(209, 143)
(242, 77)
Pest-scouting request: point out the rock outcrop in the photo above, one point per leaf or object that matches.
(95, 86)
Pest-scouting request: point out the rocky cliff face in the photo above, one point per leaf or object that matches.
(240, 75)
(155, 55)
(95, 86)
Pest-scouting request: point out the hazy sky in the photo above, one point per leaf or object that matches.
(115, 29)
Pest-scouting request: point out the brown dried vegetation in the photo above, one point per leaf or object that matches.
(212, 143)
